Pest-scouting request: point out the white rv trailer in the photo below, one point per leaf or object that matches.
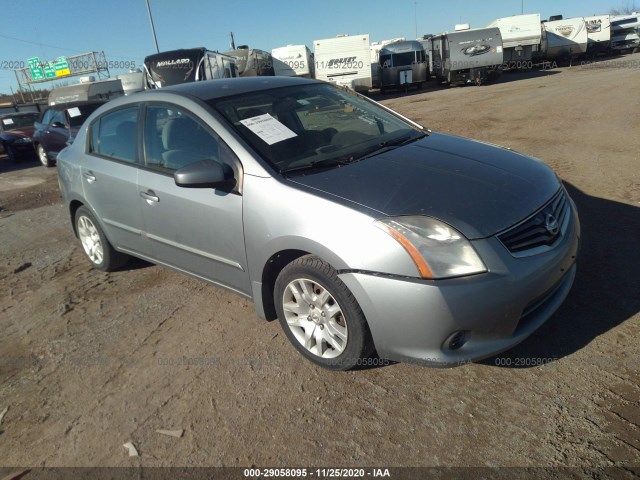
(345, 61)
(624, 32)
(293, 61)
(375, 58)
(86, 91)
(132, 82)
(598, 34)
(521, 38)
(564, 39)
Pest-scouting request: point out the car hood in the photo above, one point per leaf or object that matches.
(21, 132)
(479, 189)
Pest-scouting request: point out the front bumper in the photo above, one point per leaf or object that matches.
(414, 320)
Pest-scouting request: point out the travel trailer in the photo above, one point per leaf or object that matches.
(598, 34)
(88, 90)
(624, 32)
(132, 82)
(402, 65)
(375, 57)
(252, 62)
(469, 56)
(521, 38)
(345, 61)
(187, 65)
(564, 39)
(293, 61)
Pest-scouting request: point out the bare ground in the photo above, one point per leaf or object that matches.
(91, 360)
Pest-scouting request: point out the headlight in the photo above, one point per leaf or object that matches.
(438, 250)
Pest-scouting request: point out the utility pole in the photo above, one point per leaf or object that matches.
(153, 29)
(415, 16)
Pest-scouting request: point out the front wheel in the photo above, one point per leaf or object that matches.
(96, 247)
(320, 316)
(44, 158)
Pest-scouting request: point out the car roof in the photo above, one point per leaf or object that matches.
(64, 106)
(210, 89)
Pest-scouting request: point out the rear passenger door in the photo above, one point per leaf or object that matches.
(109, 178)
(198, 230)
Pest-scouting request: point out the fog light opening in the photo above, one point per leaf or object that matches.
(457, 340)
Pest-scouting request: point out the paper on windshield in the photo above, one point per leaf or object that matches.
(268, 129)
(74, 112)
(8, 121)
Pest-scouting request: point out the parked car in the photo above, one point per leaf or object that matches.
(57, 127)
(356, 227)
(16, 130)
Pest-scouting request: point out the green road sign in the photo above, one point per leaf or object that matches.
(49, 70)
(35, 67)
(61, 67)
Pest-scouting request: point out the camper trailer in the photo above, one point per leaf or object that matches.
(375, 57)
(470, 56)
(402, 65)
(293, 61)
(187, 65)
(564, 39)
(345, 61)
(132, 82)
(521, 37)
(252, 62)
(88, 90)
(624, 32)
(598, 34)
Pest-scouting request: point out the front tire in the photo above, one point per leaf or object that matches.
(320, 316)
(95, 245)
(44, 158)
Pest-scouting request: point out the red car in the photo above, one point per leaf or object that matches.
(16, 130)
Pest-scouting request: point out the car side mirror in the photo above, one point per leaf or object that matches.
(204, 174)
(57, 125)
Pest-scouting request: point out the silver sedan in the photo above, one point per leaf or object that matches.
(363, 232)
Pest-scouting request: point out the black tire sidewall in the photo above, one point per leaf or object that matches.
(359, 344)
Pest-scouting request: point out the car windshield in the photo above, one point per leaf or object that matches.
(17, 121)
(313, 126)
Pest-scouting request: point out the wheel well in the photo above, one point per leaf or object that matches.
(270, 273)
(73, 208)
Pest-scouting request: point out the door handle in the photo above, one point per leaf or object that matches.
(89, 176)
(150, 196)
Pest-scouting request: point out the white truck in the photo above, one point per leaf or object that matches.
(293, 61)
(345, 61)
(521, 38)
(564, 39)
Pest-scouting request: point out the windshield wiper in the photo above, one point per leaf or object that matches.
(389, 144)
(319, 164)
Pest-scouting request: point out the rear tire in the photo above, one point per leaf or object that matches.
(95, 245)
(320, 316)
(44, 158)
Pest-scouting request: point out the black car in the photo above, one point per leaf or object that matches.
(57, 126)
(16, 130)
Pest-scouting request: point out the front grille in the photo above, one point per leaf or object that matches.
(541, 231)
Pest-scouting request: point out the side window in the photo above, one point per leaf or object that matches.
(115, 135)
(174, 139)
(46, 118)
(58, 116)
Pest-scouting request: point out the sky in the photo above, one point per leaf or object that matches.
(48, 29)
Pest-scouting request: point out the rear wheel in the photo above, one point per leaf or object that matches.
(94, 243)
(320, 316)
(42, 155)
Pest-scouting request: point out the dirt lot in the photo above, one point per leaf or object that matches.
(91, 360)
